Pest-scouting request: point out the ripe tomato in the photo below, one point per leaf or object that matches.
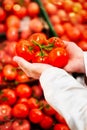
(19, 11)
(8, 4)
(48, 110)
(2, 14)
(33, 103)
(21, 125)
(23, 90)
(20, 110)
(58, 57)
(21, 77)
(59, 29)
(83, 45)
(2, 28)
(5, 112)
(33, 9)
(7, 96)
(61, 127)
(40, 57)
(36, 25)
(23, 101)
(37, 91)
(50, 8)
(60, 118)
(25, 50)
(6, 126)
(13, 21)
(46, 122)
(9, 72)
(35, 115)
(56, 41)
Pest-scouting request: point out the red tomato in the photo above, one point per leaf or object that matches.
(68, 5)
(59, 29)
(2, 28)
(7, 96)
(21, 77)
(12, 34)
(25, 50)
(20, 110)
(58, 57)
(33, 103)
(35, 115)
(48, 110)
(55, 19)
(8, 4)
(9, 72)
(2, 14)
(61, 127)
(21, 125)
(6, 126)
(19, 11)
(46, 122)
(13, 21)
(37, 91)
(33, 9)
(56, 41)
(50, 8)
(40, 57)
(5, 112)
(83, 45)
(60, 118)
(23, 90)
(23, 101)
(36, 25)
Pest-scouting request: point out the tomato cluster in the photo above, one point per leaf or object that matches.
(40, 49)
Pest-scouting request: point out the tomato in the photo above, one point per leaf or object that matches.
(33, 103)
(55, 19)
(49, 110)
(58, 57)
(13, 21)
(37, 91)
(2, 14)
(60, 118)
(83, 45)
(20, 110)
(33, 9)
(5, 112)
(7, 96)
(68, 5)
(35, 115)
(23, 101)
(60, 127)
(19, 11)
(21, 77)
(9, 72)
(6, 126)
(12, 34)
(40, 57)
(25, 50)
(50, 8)
(36, 25)
(23, 90)
(2, 28)
(59, 29)
(56, 41)
(8, 4)
(46, 122)
(21, 125)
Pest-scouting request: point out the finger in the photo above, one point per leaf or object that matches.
(23, 64)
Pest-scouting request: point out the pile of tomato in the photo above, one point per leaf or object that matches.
(25, 33)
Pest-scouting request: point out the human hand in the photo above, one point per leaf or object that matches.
(33, 70)
(76, 58)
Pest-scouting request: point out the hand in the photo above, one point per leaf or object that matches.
(76, 58)
(33, 70)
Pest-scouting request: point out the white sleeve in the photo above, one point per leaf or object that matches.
(85, 61)
(67, 96)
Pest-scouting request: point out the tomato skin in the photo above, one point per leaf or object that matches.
(5, 112)
(24, 49)
(40, 57)
(21, 125)
(6, 126)
(33, 103)
(56, 41)
(33, 9)
(60, 127)
(8, 96)
(46, 122)
(35, 115)
(9, 72)
(20, 110)
(23, 90)
(83, 45)
(2, 14)
(58, 57)
(60, 118)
